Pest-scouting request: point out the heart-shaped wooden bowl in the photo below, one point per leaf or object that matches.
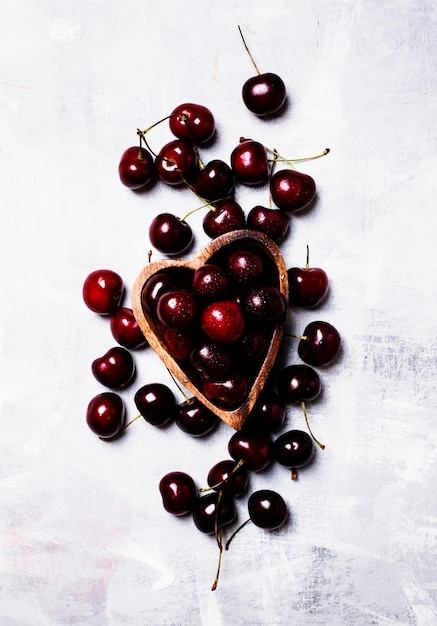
(153, 330)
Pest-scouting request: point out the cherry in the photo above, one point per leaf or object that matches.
(253, 345)
(228, 392)
(223, 321)
(252, 446)
(212, 360)
(136, 168)
(195, 419)
(170, 235)
(213, 181)
(154, 288)
(178, 492)
(176, 162)
(264, 303)
(263, 94)
(210, 281)
(269, 411)
(105, 415)
(125, 329)
(245, 266)
(156, 403)
(293, 449)
(272, 222)
(267, 509)
(103, 291)
(291, 190)
(179, 344)
(115, 368)
(298, 383)
(319, 344)
(213, 511)
(193, 121)
(224, 217)
(228, 477)
(308, 286)
(249, 162)
(177, 309)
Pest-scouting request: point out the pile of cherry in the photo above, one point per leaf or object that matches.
(218, 320)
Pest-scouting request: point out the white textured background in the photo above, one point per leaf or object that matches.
(84, 538)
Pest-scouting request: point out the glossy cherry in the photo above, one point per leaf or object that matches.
(294, 449)
(319, 344)
(176, 162)
(228, 477)
(212, 360)
(264, 303)
(308, 286)
(210, 281)
(249, 162)
(154, 288)
(136, 168)
(213, 181)
(195, 419)
(267, 509)
(177, 309)
(170, 235)
(125, 329)
(269, 411)
(213, 511)
(179, 493)
(106, 414)
(274, 223)
(298, 383)
(103, 291)
(193, 121)
(115, 368)
(179, 344)
(227, 393)
(156, 403)
(224, 217)
(223, 321)
(291, 190)
(253, 446)
(245, 267)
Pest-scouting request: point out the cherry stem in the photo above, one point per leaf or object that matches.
(220, 543)
(186, 397)
(307, 265)
(142, 136)
(321, 445)
(206, 204)
(235, 532)
(122, 430)
(149, 255)
(277, 158)
(249, 53)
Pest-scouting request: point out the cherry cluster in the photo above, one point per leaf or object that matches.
(217, 320)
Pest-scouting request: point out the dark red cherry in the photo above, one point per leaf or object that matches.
(253, 345)
(177, 309)
(125, 329)
(292, 191)
(267, 509)
(224, 217)
(293, 449)
(212, 360)
(103, 291)
(213, 181)
(249, 162)
(229, 477)
(105, 415)
(308, 286)
(245, 267)
(195, 419)
(210, 281)
(154, 288)
(298, 383)
(227, 393)
(156, 403)
(210, 514)
(274, 223)
(264, 94)
(264, 303)
(115, 368)
(320, 344)
(170, 235)
(253, 446)
(223, 321)
(179, 344)
(178, 492)
(192, 121)
(136, 168)
(176, 162)
(269, 411)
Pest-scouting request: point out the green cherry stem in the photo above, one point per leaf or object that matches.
(237, 467)
(248, 52)
(321, 445)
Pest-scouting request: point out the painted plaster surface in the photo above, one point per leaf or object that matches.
(83, 535)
